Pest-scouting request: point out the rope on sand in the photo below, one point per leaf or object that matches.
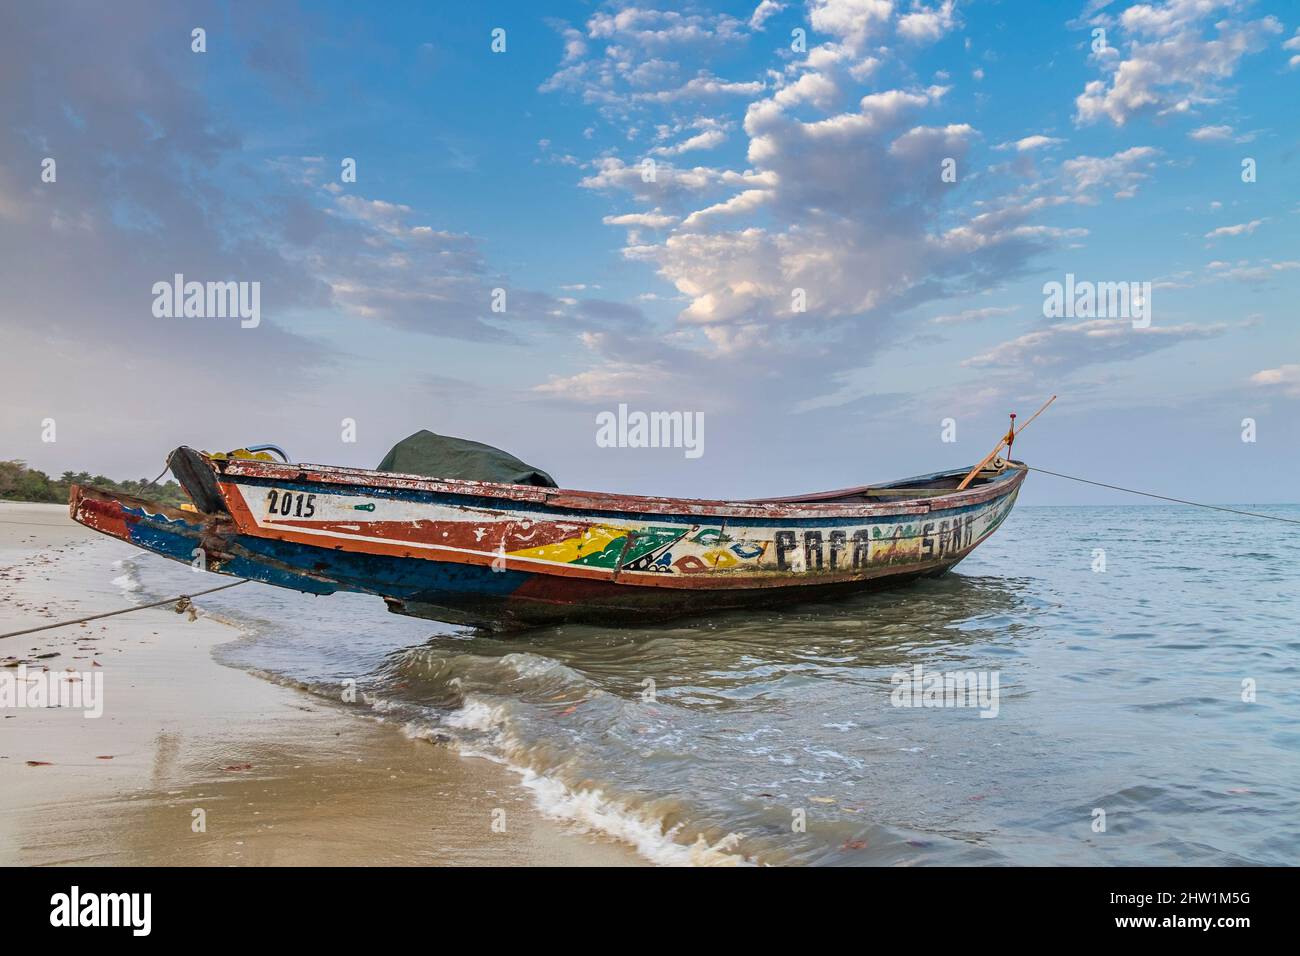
(182, 602)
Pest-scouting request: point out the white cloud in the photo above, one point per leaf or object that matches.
(614, 382)
(1284, 377)
(575, 47)
(1240, 229)
(1293, 43)
(1170, 65)
(705, 140)
(1122, 171)
(973, 315)
(921, 142)
(927, 24)
(614, 379)
(1243, 270)
(1074, 345)
(852, 21)
(1210, 133)
(1092, 15)
(628, 58)
(833, 201)
(764, 11)
(846, 219)
(813, 87)
(669, 183)
(647, 220)
(383, 215)
(743, 202)
(1029, 143)
(661, 28)
(703, 85)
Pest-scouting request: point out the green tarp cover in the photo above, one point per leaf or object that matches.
(437, 456)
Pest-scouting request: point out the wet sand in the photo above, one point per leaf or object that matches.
(195, 763)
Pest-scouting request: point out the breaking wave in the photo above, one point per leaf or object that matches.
(476, 718)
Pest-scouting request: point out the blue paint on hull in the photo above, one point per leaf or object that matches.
(301, 567)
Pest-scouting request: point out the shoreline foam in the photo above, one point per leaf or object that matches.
(281, 777)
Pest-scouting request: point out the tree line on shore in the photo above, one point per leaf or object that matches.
(21, 483)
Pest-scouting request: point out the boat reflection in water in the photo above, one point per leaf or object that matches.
(735, 724)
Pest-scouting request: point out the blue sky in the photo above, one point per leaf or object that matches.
(777, 168)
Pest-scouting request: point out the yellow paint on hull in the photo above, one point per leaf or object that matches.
(592, 541)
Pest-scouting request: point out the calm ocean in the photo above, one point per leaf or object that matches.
(1147, 713)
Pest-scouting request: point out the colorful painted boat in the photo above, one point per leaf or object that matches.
(507, 556)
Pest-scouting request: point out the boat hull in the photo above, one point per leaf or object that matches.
(510, 557)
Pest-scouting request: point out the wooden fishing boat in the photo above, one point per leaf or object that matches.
(505, 556)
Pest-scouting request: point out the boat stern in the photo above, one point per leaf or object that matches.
(204, 541)
(172, 532)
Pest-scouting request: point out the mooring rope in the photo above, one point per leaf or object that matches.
(182, 601)
(127, 610)
(1181, 501)
(37, 524)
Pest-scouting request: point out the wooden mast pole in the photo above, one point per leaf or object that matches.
(1007, 439)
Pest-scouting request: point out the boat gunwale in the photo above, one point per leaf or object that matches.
(79, 495)
(577, 500)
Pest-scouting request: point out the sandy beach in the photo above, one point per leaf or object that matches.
(196, 763)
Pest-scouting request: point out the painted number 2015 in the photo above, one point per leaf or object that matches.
(290, 504)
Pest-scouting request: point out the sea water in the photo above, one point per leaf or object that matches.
(1140, 702)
